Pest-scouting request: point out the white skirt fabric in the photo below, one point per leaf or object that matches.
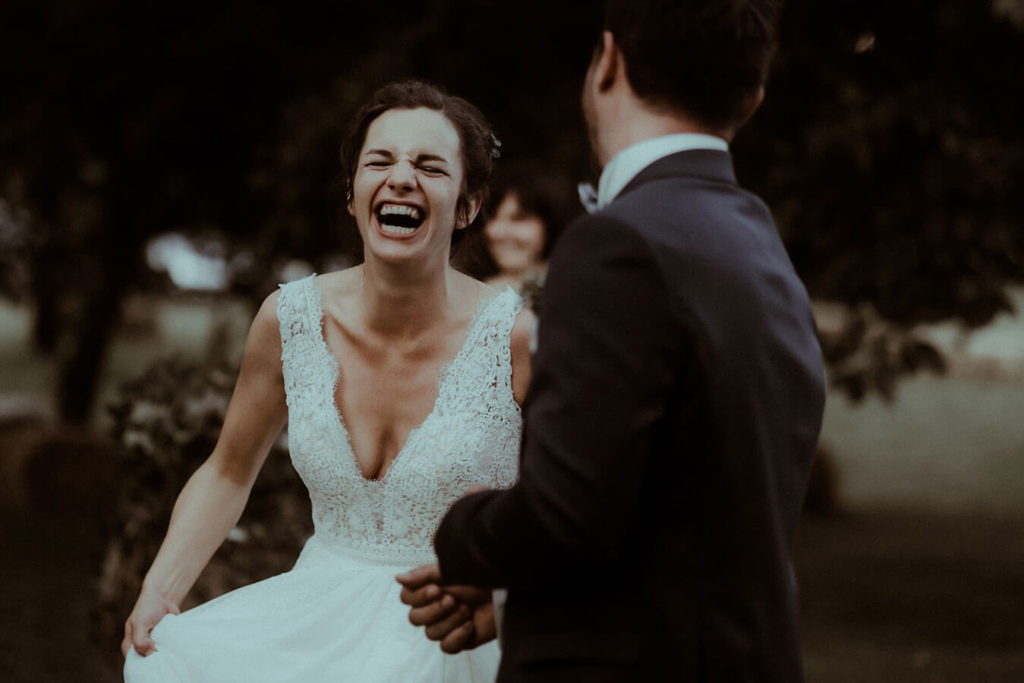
(334, 617)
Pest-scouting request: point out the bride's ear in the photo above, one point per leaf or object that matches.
(467, 211)
(348, 199)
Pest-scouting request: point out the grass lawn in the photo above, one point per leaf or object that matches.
(922, 579)
(896, 596)
(885, 597)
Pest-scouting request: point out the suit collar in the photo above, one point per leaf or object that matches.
(705, 164)
(625, 165)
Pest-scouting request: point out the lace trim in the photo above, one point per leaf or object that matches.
(470, 438)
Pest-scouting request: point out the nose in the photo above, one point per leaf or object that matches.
(497, 228)
(402, 177)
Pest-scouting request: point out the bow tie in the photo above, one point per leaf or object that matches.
(588, 197)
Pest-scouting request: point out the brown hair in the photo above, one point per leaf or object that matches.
(477, 144)
(702, 57)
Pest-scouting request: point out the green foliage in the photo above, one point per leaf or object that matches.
(167, 422)
(15, 245)
(888, 146)
(867, 354)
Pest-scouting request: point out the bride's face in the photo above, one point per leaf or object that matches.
(406, 188)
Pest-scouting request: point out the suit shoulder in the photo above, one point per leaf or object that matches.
(603, 219)
(600, 233)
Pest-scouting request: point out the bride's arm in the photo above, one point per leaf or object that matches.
(212, 501)
(521, 342)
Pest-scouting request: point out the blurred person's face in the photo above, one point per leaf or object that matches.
(407, 183)
(515, 238)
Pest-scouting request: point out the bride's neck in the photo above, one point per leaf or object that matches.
(401, 302)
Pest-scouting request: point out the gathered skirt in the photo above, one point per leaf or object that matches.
(334, 617)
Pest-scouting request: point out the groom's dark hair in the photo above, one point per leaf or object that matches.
(704, 58)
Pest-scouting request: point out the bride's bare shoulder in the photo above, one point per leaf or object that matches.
(474, 290)
(339, 288)
(341, 282)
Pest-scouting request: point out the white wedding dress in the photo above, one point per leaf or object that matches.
(336, 615)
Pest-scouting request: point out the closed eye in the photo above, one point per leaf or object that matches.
(433, 170)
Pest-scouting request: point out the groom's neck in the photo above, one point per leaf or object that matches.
(633, 121)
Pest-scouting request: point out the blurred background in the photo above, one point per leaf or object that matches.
(163, 165)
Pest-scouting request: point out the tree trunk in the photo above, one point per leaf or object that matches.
(47, 291)
(79, 372)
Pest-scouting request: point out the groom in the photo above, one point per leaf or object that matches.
(676, 399)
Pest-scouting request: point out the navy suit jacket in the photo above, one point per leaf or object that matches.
(675, 406)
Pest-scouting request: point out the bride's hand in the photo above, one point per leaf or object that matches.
(474, 624)
(147, 613)
(458, 617)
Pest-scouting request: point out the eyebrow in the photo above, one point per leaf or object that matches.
(421, 157)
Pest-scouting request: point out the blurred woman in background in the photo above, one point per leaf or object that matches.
(524, 219)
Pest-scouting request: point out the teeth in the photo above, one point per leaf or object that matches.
(400, 210)
(397, 230)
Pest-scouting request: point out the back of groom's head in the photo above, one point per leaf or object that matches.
(704, 58)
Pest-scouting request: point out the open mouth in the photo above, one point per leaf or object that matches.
(399, 219)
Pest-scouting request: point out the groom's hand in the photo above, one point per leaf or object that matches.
(458, 617)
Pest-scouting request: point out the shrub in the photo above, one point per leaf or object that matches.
(166, 423)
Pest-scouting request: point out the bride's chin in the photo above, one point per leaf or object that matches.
(393, 253)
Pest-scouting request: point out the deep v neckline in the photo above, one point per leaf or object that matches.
(442, 381)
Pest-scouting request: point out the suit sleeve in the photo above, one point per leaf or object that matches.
(604, 370)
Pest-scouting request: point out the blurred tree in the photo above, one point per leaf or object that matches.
(885, 147)
(121, 119)
(890, 150)
(124, 119)
(165, 424)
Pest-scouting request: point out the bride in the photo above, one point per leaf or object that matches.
(400, 381)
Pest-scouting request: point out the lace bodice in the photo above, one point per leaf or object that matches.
(469, 439)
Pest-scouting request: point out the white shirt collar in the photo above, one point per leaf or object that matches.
(628, 163)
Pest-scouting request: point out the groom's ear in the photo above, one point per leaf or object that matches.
(607, 62)
(753, 102)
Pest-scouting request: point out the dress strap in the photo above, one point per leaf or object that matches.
(299, 314)
(496, 317)
(507, 306)
(298, 309)
(483, 371)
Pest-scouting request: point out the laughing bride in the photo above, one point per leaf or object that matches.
(400, 381)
